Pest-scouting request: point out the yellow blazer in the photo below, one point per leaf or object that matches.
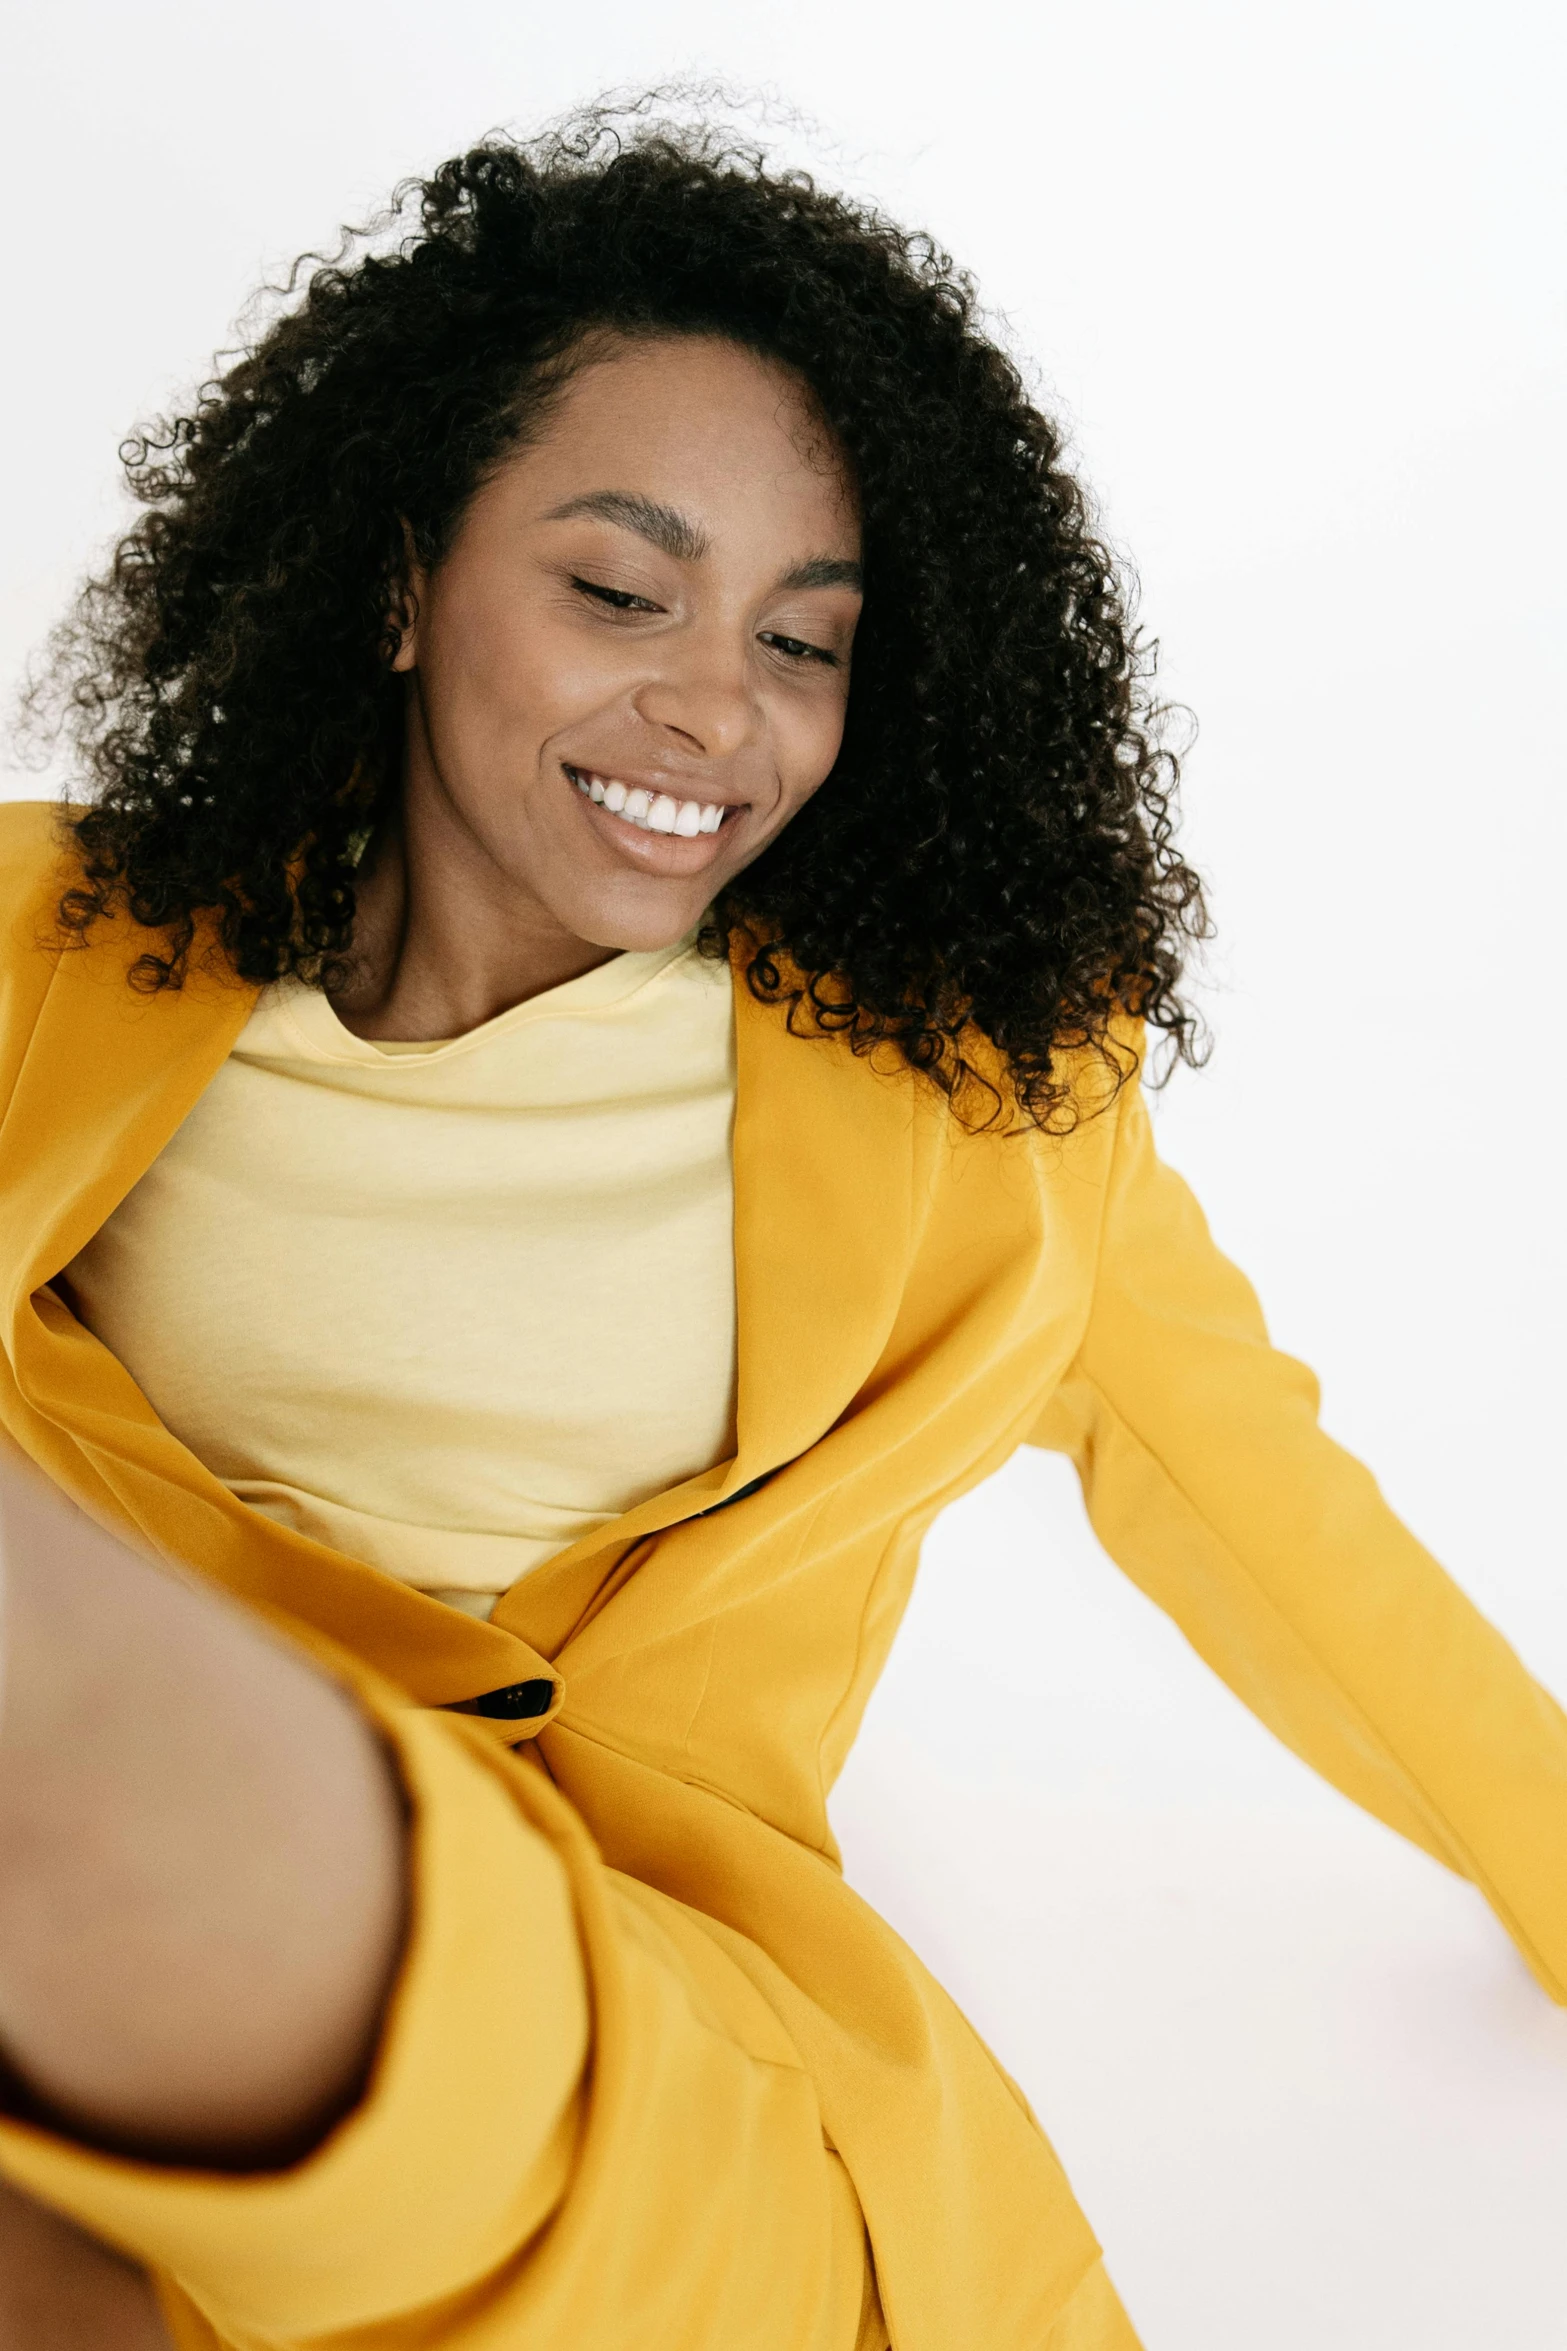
(914, 1302)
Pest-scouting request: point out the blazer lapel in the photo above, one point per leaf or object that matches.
(108, 1075)
(823, 1177)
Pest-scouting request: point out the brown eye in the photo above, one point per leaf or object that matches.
(797, 649)
(618, 599)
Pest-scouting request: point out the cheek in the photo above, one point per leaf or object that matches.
(506, 668)
(502, 668)
(809, 742)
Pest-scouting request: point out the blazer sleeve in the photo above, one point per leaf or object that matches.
(1209, 1481)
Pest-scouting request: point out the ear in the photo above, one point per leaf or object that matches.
(404, 615)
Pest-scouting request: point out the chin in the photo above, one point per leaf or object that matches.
(640, 930)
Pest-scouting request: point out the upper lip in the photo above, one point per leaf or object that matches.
(635, 780)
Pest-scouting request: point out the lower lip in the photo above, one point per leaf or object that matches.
(669, 853)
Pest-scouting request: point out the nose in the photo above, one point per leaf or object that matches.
(703, 693)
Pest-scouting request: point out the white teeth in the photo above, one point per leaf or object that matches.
(650, 812)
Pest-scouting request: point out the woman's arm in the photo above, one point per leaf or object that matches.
(200, 1856)
(1209, 1480)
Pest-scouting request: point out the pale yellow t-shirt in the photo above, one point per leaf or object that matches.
(446, 1307)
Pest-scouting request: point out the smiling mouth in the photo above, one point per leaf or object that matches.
(649, 812)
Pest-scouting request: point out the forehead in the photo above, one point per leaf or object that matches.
(698, 423)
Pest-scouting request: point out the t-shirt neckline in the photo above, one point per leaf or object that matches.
(309, 1014)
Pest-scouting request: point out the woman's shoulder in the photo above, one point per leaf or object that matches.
(35, 870)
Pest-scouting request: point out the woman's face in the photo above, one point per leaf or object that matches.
(631, 669)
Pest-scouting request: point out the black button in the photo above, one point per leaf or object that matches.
(740, 1494)
(512, 1703)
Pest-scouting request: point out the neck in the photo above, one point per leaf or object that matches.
(443, 941)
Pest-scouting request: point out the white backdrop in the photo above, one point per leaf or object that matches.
(1295, 277)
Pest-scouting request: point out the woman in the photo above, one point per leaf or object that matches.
(573, 1086)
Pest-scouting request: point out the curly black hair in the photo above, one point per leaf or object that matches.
(988, 876)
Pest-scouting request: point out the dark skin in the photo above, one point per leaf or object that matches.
(200, 1840)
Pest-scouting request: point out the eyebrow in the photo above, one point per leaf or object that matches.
(825, 571)
(666, 528)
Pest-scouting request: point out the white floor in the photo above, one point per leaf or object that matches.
(1307, 2094)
